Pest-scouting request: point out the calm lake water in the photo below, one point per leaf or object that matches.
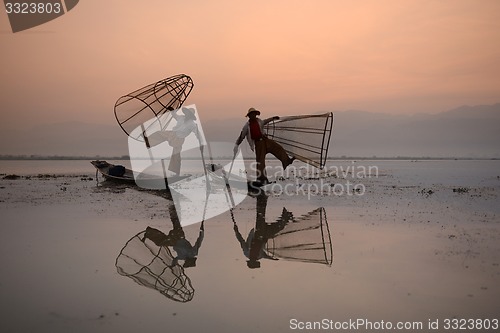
(469, 171)
(78, 256)
(51, 167)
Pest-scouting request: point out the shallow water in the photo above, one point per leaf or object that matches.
(50, 167)
(63, 240)
(448, 172)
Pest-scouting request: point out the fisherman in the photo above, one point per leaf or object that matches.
(253, 130)
(185, 125)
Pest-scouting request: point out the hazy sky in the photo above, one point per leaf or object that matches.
(284, 57)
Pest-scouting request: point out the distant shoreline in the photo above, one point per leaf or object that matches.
(58, 158)
(336, 158)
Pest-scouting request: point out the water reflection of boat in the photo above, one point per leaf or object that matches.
(304, 239)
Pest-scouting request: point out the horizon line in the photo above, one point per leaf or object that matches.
(7, 157)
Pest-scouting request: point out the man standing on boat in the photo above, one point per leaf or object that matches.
(253, 131)
(184, 126)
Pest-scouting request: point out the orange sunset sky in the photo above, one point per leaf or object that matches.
(284, 57)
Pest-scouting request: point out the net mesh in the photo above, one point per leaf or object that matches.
(306, 239)
(305, 137)
(151, 102)
(154, 267)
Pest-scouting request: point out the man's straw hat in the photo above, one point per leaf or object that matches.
(252, 110)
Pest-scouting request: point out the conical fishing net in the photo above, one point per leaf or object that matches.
(305, 137)
(151, 102)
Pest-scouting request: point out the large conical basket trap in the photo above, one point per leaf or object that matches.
(151, 102)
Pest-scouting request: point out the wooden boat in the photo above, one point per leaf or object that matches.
(113, 172)
(119, 173)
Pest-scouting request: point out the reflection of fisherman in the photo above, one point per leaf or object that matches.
(254, 246)
(177, 240)
(261, 144)
(185, 125)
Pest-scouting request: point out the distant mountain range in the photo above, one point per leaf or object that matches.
(462, 132)
(65, 139)
(467, 131)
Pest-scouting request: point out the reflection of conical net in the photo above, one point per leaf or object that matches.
(151, 102)
(306, 239)
(305, 137)
(153, 266)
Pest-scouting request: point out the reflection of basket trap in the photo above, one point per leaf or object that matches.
(153, 266)
(152, 101)
(306, 239)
